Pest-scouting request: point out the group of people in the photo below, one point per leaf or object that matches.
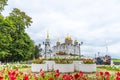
(103, 60)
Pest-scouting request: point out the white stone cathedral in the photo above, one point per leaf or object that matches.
(68, 47)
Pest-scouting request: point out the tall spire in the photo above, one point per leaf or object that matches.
(47, 36)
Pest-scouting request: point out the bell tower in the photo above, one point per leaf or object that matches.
(47, 51)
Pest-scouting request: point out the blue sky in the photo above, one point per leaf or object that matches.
(95, 22)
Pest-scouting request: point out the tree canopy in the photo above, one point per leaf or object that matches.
(3, 3)
(15, 43)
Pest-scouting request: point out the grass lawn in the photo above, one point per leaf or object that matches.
(116, 60)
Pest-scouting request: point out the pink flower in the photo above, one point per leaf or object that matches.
(40, 70)
(97, 74)
(81, 73)
(35, 77)
(42, 74)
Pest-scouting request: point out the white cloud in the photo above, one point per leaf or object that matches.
(92, 21)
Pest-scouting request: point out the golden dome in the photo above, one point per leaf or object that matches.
(76, 41)
(68, 38)
(47, 38)
(58, 41)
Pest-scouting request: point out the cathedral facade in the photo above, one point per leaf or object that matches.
(67, 47)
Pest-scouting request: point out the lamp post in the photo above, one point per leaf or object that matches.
(80, 48)
(45, 48)
(74, 49)
(98, 54)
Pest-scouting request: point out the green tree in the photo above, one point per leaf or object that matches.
(3, 3)
(6, 27)
(22, 46)
(15, 44)
(37, 52)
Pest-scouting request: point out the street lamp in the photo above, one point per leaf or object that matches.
(98, 54)
(74, 49)
(45, 48)
(80, 49)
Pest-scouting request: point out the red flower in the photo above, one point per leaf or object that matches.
(50, 79)
(118, 76)
(12, 75)
(67, 77)
(107, 73)
(64, 75)
(26, 77)
(57, 71)
(1, 77)
(56, 75)
(76, 76)
(101, 73)
(118, 73)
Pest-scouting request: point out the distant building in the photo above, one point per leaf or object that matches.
(47, 49)
(68, 47)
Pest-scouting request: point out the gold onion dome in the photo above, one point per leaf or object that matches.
(47, 38)
(68, 38)
(76, 41)
(58, 41)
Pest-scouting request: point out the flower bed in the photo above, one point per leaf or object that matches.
(61, 53)
(64, 65)
(14, 74)
(88, 61)
(14, 66)
(64, 61)
(39, 64)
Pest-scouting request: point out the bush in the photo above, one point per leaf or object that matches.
(88, 61)
(63, 61)
(38, 61)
